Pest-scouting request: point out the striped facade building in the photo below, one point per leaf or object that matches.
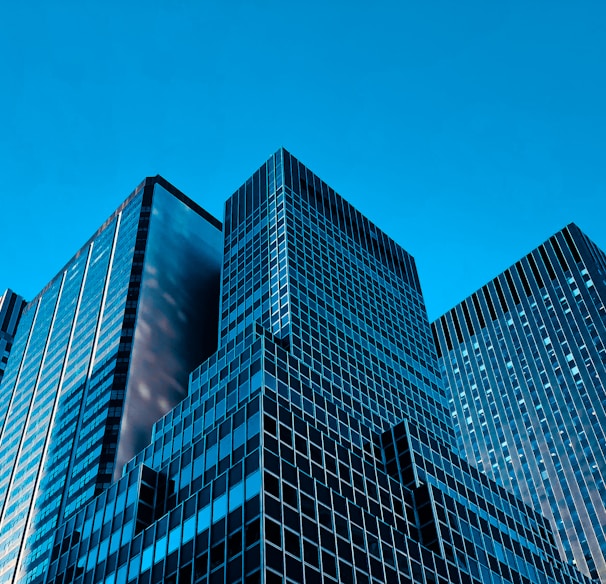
(524, 360)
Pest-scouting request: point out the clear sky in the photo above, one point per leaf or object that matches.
(468, 131)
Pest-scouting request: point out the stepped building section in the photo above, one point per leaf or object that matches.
(316, 444)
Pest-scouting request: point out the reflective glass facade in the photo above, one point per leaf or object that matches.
(525, 361)
(95, 349)
(315, 445)
(11, 306)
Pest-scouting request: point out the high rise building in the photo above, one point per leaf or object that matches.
(316, 444)
(524, 359)
(102, 352)
(11, 306)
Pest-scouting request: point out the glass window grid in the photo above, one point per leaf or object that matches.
(313, 420)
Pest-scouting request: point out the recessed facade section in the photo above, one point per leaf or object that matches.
(11, 307)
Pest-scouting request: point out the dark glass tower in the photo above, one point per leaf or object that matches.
(315, 444)
(11, 306)
(100, 354)
(525, 361)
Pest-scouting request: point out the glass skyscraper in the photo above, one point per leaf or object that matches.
(316, 444)
(524, 359)
(102, 352)
(11, 306)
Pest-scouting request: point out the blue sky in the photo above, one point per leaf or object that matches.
(468, 131)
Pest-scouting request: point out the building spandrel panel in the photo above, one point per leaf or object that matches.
(70, 393)
(12, 432)
(15, 450)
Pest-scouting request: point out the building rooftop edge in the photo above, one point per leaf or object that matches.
(149, 181)
(568, 226)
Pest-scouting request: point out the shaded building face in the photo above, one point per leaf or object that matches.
(314, 444)
(98, 357)
(177, 316)
(524, 361)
